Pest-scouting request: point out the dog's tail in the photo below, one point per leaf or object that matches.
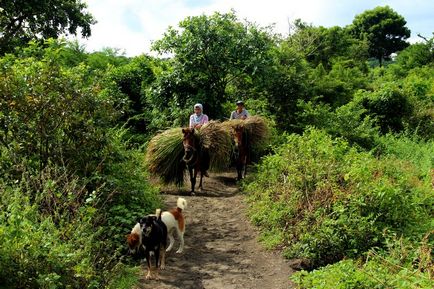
(181, 203)
(158, 214)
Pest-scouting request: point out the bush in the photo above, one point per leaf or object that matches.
(403, 265)
(328, 201)
(349, 121)
(71, 188)
(46, 251)
(389, 105)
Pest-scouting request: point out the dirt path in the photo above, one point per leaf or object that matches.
(221, 247)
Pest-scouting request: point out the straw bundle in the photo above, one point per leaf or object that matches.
(217, 141)
(164, 156)
(258, 129)
(256, 126)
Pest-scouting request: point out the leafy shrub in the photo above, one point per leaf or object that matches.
(329, 201)
(42, 251)
(403, 265)
(349, 121)
(49, 113)
(388, 105)
(71, 188)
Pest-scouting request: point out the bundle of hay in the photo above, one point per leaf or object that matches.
(217, 141)
(164, 156)
(165, 151)
(257, 129)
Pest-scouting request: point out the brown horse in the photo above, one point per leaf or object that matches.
(194, 157)
(241, 150)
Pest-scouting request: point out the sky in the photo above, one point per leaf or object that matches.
(132, 25)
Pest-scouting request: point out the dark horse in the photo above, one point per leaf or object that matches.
(196, 159)
(241, 150)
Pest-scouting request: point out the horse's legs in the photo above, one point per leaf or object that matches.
(200, 182)
(192, 178)
(196, 170)
(245, 166)
(239, 170)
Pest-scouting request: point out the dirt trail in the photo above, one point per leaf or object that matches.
(221, 247)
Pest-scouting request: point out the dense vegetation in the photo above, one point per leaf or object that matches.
(346, 186)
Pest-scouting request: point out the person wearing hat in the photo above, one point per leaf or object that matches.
(240, 112)
(198, 118)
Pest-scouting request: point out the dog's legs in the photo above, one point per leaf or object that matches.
(171, 241)
(181, 239)
(162, 258)
(148, 262)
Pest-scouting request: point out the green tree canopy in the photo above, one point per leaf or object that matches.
(21, 21)
(210, 52)
(321, 45)
(384, 29)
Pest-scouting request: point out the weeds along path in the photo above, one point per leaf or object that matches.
(221, 246)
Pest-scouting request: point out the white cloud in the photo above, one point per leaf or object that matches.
(149, 19)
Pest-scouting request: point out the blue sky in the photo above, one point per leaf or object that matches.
(132, 25)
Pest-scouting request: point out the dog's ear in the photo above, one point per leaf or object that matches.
(152, 219)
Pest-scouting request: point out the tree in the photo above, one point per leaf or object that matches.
(322, 45)
(384, 29)
(22, 21)
(210, 52)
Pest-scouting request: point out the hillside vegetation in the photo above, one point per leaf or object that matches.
(346, 186)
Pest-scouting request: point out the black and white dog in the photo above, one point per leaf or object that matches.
(149, 235)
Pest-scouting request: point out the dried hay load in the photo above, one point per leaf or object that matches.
(164, 156)
(214, 138)
(258, 129)
(256, 126)
(165, 151)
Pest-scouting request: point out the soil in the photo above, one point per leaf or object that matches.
(221, 245)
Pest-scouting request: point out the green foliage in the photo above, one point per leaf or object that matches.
(329, 201)
(286, 83)
(349, 121)
(130, 83)
(388, 105)
(384, 29)
(71, 189)
(403, 265)
(210, 52)
(416, 55)
(337, 86)
(22, 21)
(43, 251)
(323, 46)
(49, 113)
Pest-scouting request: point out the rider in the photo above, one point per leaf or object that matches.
(240, 112)
(197, 120)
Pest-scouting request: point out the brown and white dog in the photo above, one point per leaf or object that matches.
(175, 222)
(172, 219)
(149, 235)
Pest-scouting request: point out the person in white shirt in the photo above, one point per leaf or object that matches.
(198, 118)
(240, 112)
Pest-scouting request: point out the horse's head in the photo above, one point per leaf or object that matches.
(238, 135)
(189, 144)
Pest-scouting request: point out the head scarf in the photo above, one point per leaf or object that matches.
(198, 117)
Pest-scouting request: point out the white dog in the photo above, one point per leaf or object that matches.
(174, 221)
